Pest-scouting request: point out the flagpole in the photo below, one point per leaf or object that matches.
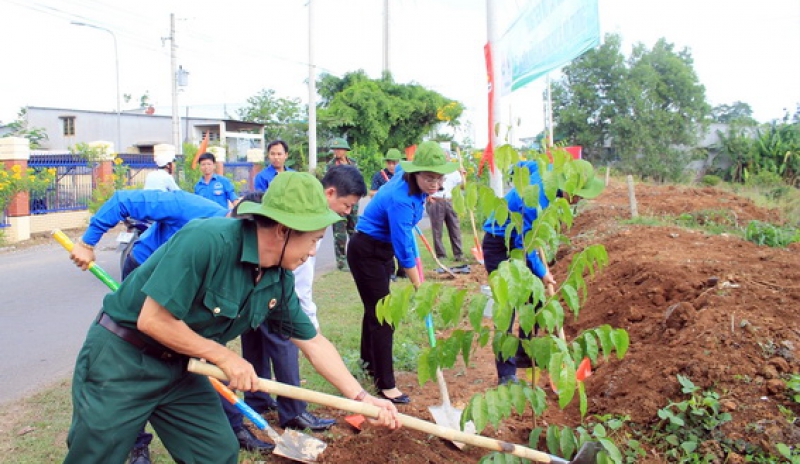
(496, 176)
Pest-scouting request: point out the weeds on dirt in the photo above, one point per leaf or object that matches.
(764, 233)
(793, 387)
(687, 424)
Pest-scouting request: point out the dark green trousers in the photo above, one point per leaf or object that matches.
(116, 389)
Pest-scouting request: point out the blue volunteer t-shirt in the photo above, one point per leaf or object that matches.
(219, 189)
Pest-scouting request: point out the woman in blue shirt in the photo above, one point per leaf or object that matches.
(384, 231)
(495, 251)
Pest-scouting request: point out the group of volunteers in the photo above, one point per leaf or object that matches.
(213, 267)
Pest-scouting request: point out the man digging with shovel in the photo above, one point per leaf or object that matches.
(209, 283)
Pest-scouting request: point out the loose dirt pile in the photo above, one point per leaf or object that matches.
(719, 310)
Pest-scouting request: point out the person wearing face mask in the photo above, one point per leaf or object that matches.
(209, 283)
(386, 230)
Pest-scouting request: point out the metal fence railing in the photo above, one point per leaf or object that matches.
(70, 190)
(240, 171)
(140, 165)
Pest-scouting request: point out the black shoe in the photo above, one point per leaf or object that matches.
(268, 408)
(311, 422)
(140, 455)
(249, 442)
(507, 379)
(523, 362)
(402, 399)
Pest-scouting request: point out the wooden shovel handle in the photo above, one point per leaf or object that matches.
(288, 391)
(471, 214)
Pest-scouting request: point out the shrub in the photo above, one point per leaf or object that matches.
(711, 180)
(764, 233)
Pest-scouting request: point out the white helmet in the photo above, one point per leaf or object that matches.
(163, 158)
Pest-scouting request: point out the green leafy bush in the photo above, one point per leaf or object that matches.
(764, 233)
(687, 424)
(711, 180)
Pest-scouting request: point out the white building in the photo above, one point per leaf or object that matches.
(140, 132)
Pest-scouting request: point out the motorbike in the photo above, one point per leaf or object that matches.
(125, 240)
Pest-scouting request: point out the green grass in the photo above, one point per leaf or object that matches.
(35, 428)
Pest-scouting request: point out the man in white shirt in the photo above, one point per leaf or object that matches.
(161, 179)
(440, 211)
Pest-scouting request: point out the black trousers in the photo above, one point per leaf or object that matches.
(494, 253)
(371, 263)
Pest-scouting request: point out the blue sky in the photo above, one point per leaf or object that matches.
(743, 50)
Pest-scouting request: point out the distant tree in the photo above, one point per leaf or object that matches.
(380, 113)
(21, 128)
(737, 111)
(284, 119)
(646, 109)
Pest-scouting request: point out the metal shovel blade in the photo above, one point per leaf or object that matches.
(298, 446)
(448, 416)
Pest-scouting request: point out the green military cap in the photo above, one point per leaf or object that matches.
(296, 200)
(393, 155)
(429, 157)
(340, 142)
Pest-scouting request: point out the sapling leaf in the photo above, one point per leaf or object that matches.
(509, 345)
(476, 307)
(567, 442)
(604, 335)
(590, 345)
(577, 350)
(584, 404)
(478, 412)
(423, 370)
(517, 397)
(553, 439)
(466, 346)
(522, 179)
(621, 342)
(611, 449)
(483, 336)
(542, 349)
(449, 352)
(527, 318)
(471, 200)
(570, 296)
(504, 401)
(492, 407)
(459, 204)
(533, 437)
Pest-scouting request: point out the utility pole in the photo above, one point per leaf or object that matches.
(312, 94)
(176, 118)
(385, 36)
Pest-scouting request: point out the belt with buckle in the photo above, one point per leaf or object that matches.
(132, 336)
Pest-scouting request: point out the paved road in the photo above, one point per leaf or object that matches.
(47, 304)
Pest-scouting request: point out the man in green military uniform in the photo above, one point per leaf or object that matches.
(343, 230)
(212, 281)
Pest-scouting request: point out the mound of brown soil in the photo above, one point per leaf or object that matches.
(719, 310)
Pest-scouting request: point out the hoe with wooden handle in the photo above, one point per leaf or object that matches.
(586, 455)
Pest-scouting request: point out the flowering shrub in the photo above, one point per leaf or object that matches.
(14, 181)
(106, 187)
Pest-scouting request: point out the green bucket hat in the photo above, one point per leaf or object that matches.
(429, 157)
(296, 200)
(339, 142)
(393, 155)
